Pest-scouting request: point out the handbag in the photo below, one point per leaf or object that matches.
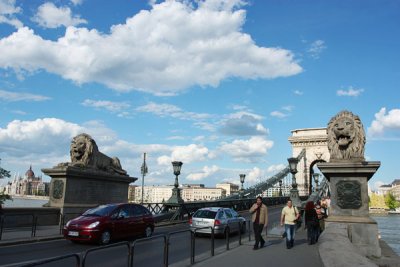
(298, 221)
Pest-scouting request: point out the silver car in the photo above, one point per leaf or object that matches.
(221, 219)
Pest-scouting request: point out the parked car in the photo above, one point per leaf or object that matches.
(221, 219)
(110, 222)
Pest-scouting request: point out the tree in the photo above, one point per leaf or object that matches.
(377, 201)
(4, 173)
(4, 197)
(391, 201)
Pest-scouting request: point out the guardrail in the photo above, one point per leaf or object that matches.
(81, 258)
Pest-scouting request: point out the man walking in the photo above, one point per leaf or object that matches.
(289, 216)
(259, 217)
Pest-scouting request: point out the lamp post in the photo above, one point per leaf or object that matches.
(144, 171)
(316, 180)
(176, 192)
(242, 177)
(294, 192)
(280, 188)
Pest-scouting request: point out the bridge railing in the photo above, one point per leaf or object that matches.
(80, 259)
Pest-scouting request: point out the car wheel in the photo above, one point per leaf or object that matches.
(148, 231)
(105, 238)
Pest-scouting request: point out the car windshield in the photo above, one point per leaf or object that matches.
(103, 210)
(208, 214)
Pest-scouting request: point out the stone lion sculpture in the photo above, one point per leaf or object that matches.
(85, 153)
(346, 137)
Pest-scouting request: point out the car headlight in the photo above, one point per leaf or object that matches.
(93, 225)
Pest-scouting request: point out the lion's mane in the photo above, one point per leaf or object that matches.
(354, 151)
(93, 158)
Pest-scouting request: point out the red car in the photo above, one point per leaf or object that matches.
(110, 222)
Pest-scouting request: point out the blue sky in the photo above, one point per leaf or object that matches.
(216, 84)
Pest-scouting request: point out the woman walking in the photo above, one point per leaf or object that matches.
(311, 222)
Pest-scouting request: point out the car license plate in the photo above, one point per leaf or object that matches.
(73, 233)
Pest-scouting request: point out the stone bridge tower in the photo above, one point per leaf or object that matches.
(314, 141)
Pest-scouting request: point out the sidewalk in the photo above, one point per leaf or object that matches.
(22, 235)
(273, 254)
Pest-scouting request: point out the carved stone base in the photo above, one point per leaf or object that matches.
(349, 186)
(75, 189)
(362, 233)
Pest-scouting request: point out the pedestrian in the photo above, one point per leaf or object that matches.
(259, 217)
(289, 216)
(311, 222)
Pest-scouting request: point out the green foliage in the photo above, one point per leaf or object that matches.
(4, 197)
(377, 201)
(391, 201)
(4, 173)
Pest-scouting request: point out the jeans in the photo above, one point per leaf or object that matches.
(290, 233)
(257, 234)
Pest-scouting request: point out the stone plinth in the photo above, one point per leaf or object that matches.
(75, 189)
(349, 202)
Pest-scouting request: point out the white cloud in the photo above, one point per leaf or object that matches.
(50, 16)
(76, 2)
(206, 172)
(316, 48)
(186, 154)
(162, 51)
(108, 105)
(278, 114)
(242, 123)
(42, 136)
(14, 97)
(247, 150)
(254, 175)
(276, 168)
(167, 110)
(8, 10)
(385, 121)
(350, 92)
(298, 92)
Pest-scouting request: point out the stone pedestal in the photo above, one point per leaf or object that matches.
(349, 202)
(75, 189)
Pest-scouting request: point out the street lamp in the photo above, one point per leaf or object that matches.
(242, 177)
(144, 171)
(294, 192)
(316, 180)
(176, 194)
(280, 188)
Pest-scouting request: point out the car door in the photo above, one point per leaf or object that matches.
(230, 220)
(121, 222)
(137, 224)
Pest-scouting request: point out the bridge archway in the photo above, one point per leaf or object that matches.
(314, 141)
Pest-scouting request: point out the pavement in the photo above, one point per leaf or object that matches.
(274, 253)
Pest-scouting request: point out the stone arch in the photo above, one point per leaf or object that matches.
(314, 141)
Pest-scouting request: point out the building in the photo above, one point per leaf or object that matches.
(229, 188)
(160, 194)
(152, 194)
(275, 190)
(393, 188)
(201, 193)
(27, 185)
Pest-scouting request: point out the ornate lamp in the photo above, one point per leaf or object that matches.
(294, 192)
(176, 192)
(242, 177)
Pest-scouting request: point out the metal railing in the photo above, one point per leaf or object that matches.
(81, 258)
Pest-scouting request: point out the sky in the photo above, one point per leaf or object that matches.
(216, 84)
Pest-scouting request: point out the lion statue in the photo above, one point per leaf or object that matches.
(85, 153)
(346, 137)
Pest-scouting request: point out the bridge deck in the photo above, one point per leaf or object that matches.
(274, 253)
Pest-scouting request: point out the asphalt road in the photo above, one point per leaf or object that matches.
(147, 253)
